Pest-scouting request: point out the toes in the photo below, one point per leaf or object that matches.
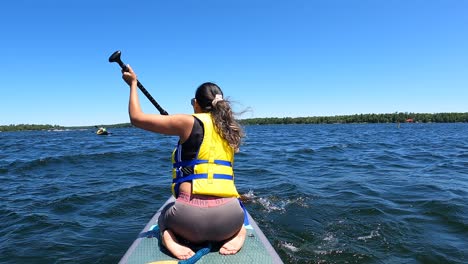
(225, 251)
(186, 256)
(189, 254)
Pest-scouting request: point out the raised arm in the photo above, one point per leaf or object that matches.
(180, 124)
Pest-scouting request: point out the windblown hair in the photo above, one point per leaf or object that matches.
(222, 114)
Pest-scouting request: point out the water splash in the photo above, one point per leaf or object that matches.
(289, 246)
(373, 234)
(274, 203)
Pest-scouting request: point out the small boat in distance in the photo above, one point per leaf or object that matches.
(102, 131)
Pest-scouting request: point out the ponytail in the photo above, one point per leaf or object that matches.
(210, 98)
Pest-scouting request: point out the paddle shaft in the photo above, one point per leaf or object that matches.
(142, 88)
(148, 95)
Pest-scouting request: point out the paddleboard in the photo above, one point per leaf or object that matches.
(147, 247)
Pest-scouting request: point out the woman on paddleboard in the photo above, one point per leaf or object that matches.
(206, 207)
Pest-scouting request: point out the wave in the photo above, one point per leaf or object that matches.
(23, 165)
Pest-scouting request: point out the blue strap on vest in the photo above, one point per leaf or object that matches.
(181, 178)
(201, 176)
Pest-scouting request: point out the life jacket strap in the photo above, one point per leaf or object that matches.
(201, 176)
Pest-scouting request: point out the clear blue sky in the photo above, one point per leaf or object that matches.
(278, 58)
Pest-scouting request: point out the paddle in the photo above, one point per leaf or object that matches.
(115, 57)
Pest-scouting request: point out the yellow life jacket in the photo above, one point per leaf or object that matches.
(212, 166)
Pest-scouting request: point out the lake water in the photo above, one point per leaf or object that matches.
(356, 193)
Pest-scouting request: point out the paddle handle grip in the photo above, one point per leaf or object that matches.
(115, 57)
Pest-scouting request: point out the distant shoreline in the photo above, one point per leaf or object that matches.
(338, 119)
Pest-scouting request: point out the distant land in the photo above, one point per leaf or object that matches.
(338, 119)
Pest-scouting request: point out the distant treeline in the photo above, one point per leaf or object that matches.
(27, 127)
(121, 125)
(24, 127)
(341, 119)
(363, 118)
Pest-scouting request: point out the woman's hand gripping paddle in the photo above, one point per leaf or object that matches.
(115, 57)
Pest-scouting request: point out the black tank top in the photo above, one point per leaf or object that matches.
(191, 146)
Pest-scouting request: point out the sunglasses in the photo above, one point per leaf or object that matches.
(192, 101)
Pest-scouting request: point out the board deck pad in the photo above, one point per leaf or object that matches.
(147, 248)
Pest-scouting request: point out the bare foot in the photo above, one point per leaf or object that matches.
(233, 245)
(179, 251)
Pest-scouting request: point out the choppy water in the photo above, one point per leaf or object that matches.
(321, 193)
